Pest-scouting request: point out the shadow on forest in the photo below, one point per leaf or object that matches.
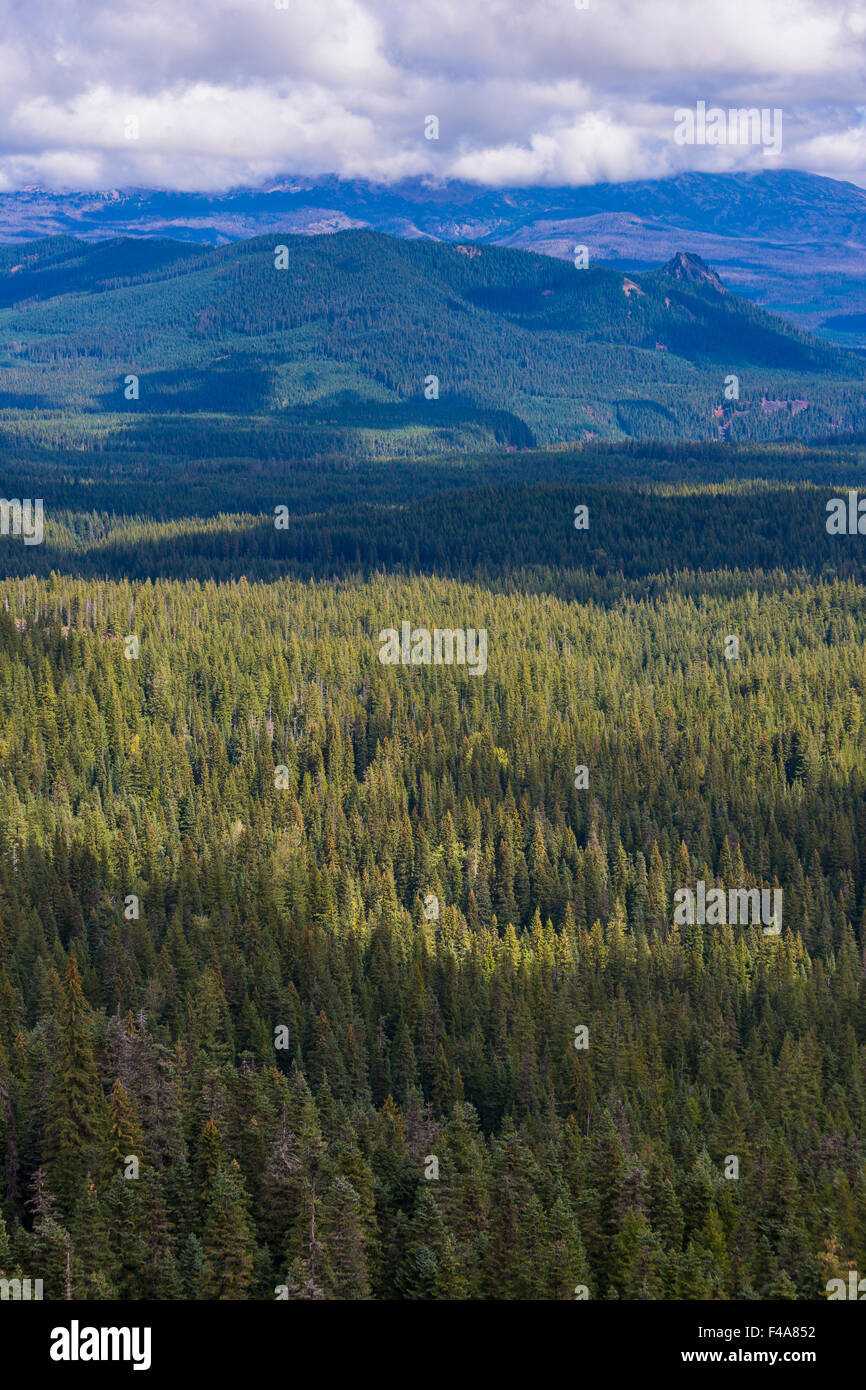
(522, 536)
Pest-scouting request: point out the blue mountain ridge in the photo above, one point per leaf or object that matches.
(793, 242)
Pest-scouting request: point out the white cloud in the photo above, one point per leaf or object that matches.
(594, 150)
(237, 91)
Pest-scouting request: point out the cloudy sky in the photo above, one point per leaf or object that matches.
(212, 94)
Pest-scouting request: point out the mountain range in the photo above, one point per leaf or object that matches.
(794, 243)
(432, 344)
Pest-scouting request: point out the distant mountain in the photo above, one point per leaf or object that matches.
(686, 266)
(365, 332)
(795, 243)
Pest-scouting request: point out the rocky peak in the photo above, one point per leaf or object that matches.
(686, 266)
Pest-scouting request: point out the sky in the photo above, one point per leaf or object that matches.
(216, 94)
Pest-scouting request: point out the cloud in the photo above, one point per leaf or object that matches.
(177, 94)
(594, 150)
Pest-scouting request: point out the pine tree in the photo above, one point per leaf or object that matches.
(228, 1239)
(76, 1098)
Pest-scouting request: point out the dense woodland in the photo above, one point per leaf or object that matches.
(295, 906)
(337, 345)
(296, 947)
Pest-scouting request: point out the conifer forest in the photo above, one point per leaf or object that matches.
(432, 724)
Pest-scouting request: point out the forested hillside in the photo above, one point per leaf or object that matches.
(363, 343)
(313, 938)
(432, 683)
(790, 241)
